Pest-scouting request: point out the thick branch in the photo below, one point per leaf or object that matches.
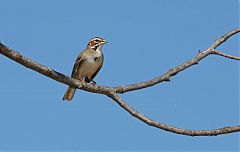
(112, 92)
(44, 70)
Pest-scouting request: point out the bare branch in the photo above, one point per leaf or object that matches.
(134, 113)
(44, 70)
(223, 38)
(112, 92)
(172, 72)
(225, 55)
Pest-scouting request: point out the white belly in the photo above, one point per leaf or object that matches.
(90, 65)
(88, 68)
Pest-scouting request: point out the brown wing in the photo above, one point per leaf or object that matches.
(93, 76)
(77, 64)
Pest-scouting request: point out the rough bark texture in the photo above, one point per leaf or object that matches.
(113, 92)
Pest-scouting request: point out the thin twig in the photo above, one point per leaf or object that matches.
(225, 55)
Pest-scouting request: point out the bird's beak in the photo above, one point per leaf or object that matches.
(103, 42)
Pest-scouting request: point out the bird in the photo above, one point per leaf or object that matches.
(87, 65)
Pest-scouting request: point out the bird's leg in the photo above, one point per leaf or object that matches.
(93, 82)
(89, 81)
(82, 80)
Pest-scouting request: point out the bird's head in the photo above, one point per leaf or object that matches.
(96, 43)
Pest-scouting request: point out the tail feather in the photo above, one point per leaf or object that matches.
(69, 94)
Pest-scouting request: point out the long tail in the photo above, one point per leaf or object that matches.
(69, 94)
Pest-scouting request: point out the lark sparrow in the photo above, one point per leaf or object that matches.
(87, 64)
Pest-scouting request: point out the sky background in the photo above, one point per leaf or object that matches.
(146, 38)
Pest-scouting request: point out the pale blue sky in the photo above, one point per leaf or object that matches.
(146, 38)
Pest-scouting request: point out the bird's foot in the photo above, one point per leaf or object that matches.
(93, 83)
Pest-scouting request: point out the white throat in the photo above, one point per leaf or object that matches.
(99, 48)
(98, 51)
